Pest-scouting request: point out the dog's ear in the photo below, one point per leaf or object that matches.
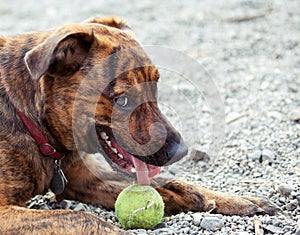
(115, 22)
(62, 53)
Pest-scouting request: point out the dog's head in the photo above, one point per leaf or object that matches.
(98, 84)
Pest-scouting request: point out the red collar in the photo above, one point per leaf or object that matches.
(40, 139)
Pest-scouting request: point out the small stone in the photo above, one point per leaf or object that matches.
(285, 189)
(268, 155)
(255, 156)
(241, 233)
(44, 207)
(185, 230)
(79, 207)
(161, 225)
(198, 155)
(256, 175)
(292, 205)
(39, 198)
(264, 85)
(138, 231)
(282, 199)
(298, 231)
(295, 115)
(32, 205)
(187, 218)
(197, 217)
(275, 115)
(212, 223)
(50, 197)
(273, 229)
(65, 204)
(162, 231)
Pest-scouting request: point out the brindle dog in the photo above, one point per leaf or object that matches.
(41, 76)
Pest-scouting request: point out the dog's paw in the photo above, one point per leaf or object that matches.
(243, 206)
(263, 206)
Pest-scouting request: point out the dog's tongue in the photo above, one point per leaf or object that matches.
(144, 172)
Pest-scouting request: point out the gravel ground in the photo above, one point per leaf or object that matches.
(251, 50)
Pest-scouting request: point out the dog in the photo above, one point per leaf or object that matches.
(79, 90)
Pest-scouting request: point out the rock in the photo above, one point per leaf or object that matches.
(161, 231)
(198, 155)
(212, 223)
(187, 218)
(282, 199)
(255, 156)
(32, 205)
(298, 231)
(264, 85)
(185, 230)
(268, 155)
(275, 115)
(295, 115)
(285, 189)
(139, 231)
(161, 225)
(292, 205)
(80, 207)
(197, 217)
(66, 204)
(273, 229)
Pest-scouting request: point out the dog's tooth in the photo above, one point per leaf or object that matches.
(120, 156)
(114, 150)
(103, 135)
(108, 143)
(132, 170)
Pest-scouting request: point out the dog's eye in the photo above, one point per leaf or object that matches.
(121, 101)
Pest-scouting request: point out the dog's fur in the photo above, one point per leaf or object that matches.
(41, 74)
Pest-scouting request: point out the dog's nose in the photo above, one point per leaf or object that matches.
(176, 152)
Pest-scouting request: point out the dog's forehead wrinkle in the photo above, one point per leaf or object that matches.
(134, 82)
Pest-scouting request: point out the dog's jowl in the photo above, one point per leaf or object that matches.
(81, 89)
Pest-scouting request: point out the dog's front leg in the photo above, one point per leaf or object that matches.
(182, 196)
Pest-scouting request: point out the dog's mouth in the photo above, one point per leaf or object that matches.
(124, 161)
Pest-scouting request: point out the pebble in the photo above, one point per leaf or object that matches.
(268, 155)
(264, 85)
(255, 156)
(138, 231)
(276, 115)
(197, 217)
(298, 231)
(66, 204)
(273, 229)
(295, 115)
(161, 225)
(32, 204)
(285, 189)
(212, 223)
(198, 155)
(80, 207)
(292, 205)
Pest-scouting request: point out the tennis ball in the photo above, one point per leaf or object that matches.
(139, 206)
